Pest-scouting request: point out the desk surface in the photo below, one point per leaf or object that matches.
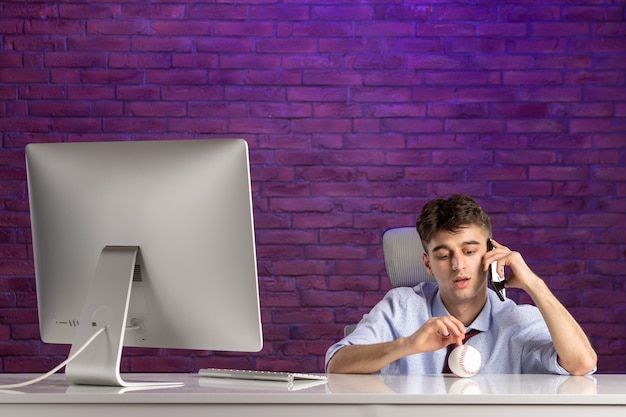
(339, 389)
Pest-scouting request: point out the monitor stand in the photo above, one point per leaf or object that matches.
(106, 306)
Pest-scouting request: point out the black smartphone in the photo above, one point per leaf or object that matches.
(497, 282)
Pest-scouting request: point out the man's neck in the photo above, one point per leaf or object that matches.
(466, 312)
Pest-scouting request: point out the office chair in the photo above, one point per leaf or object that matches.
(402, 253)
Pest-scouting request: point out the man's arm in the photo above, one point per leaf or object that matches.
(436, 333)
(366, 359)
(575, 353)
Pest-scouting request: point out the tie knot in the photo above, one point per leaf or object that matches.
(469, 334)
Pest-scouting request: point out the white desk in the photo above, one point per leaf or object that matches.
(342, 396)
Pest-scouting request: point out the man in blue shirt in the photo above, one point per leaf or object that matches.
(407, 331)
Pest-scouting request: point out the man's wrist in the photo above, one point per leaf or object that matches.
(536, 288)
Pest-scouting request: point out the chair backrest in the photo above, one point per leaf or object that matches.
(402, 251)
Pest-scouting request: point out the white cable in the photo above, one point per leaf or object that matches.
(53, 371)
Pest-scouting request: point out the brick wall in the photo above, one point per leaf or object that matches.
(356, 112)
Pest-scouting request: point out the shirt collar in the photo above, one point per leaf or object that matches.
(480, 323)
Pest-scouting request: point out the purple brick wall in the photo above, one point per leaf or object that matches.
(356, 112)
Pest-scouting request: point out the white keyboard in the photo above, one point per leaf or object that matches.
(259, 375)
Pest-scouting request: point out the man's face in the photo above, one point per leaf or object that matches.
(455, 260)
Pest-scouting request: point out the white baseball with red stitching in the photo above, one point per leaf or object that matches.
(464, 361)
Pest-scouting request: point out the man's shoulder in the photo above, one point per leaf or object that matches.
(412, 301)
(511, 311)
(425, 290)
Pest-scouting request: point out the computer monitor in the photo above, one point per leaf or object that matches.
(153, 240)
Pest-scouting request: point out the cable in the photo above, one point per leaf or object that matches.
(53, 371)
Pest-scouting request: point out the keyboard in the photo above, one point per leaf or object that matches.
(260, 375)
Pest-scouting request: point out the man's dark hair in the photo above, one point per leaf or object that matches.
(451, 215)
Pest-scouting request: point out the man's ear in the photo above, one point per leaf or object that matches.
(426, 261)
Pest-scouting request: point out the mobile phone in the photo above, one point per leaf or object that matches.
(497, 282)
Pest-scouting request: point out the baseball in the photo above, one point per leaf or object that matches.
(464, 361)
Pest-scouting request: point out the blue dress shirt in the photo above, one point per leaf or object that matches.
(514, 339)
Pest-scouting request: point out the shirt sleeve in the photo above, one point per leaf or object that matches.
(545, 360)
(380, 324)
(538, 352)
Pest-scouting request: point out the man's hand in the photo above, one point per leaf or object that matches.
(437, 333)
(520, 276)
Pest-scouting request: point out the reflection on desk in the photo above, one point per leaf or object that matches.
(258, 385)
(495, 384)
